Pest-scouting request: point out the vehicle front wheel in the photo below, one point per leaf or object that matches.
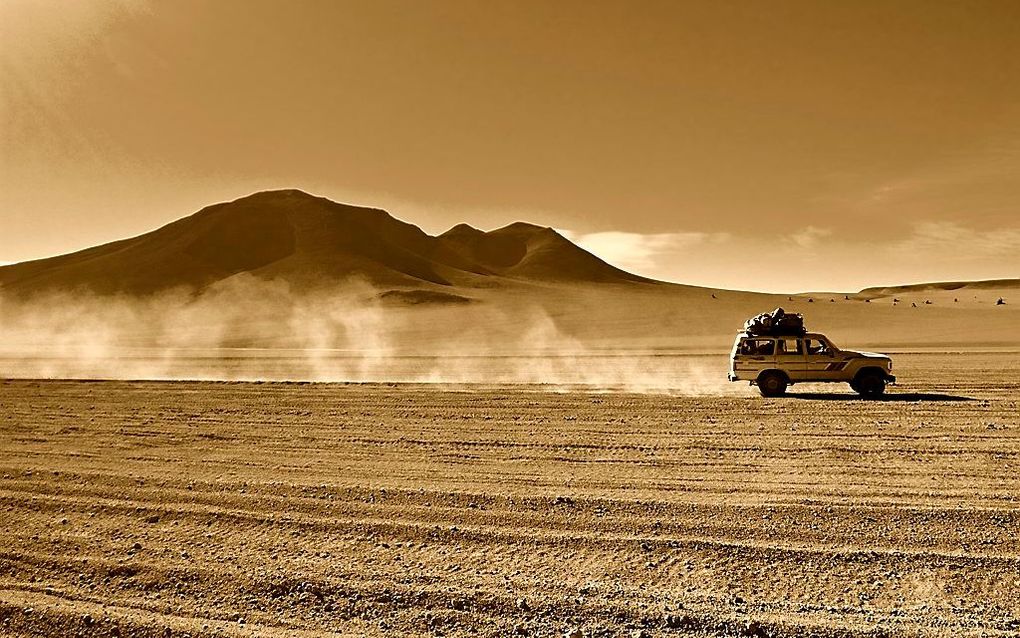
(771, 384)
(869, 384)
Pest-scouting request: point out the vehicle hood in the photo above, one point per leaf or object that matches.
(856, 354)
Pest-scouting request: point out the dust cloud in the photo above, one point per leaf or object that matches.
(248, 329)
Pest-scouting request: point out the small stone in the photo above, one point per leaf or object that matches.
(640, 633)
(88, 620)
(676, 621)
(459, 605)
(523, 605)
(754, 630)
(152, 519)
(137, 547)
(574, 633)
(63, 521)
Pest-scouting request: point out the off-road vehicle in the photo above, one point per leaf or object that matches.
(774, 362)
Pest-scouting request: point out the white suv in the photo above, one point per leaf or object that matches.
(775, 362)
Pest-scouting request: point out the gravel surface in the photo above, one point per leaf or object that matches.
(202, 509)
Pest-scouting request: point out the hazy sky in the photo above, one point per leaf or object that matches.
(761, 145)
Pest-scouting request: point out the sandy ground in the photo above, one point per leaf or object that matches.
(172, 509)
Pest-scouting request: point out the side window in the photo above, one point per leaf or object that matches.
(790, 346)
(757, 347)
(814, 346)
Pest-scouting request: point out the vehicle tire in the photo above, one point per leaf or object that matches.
(869, 384)
(771, 384)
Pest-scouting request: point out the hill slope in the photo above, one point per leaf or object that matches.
(310, 242)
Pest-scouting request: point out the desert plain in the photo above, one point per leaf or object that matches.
(177, 508)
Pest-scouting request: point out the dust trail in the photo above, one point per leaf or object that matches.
(245, 328)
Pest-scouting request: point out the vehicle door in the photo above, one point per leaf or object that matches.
(753, 355)
(790, 357)
(821, 362)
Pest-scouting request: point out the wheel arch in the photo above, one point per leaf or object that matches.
(778, 371)
(869, 369)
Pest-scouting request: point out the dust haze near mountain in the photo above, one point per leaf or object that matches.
(284, 285)
(250, 329)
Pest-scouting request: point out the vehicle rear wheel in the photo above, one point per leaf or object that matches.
(771, 384)
(869, 384)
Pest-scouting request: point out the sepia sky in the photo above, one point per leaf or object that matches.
(776, 146)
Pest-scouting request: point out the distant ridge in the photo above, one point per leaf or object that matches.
(940, 286)
(311, 242)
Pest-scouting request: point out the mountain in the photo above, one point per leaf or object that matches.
(312, 242)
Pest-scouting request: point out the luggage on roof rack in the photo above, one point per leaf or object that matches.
(777, 322)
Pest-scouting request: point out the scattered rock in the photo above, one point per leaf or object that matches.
(523, 605)
(152, 519)
(574, 633)
(640, 633)
(677, 621)
(754, 630)
(137, 547)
